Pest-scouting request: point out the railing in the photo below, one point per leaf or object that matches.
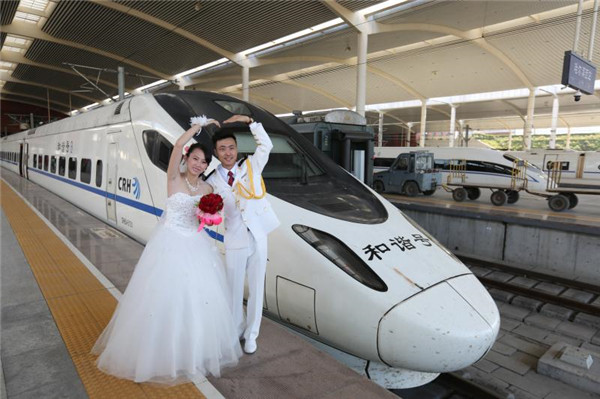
(458, 168)
(518, 180)
(554, 176)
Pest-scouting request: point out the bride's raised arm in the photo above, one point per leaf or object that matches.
(197, 124)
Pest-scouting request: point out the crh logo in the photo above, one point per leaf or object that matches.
(124, 184)
(137, 190)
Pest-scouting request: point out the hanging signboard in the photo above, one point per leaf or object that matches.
(578, 73)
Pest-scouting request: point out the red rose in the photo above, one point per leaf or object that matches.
(211, 203)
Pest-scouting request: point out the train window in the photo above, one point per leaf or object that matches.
(164, 153)
(61, 166)
(564, 165)
(35, 161)
(72, 168)
(234, 107)
(285, 161)
(46, 162)
(40, 160)
(53, 164)
(488, 167)
(149, 137)
(441, 164)
(86, 170)
(158, 148)
(98, 173)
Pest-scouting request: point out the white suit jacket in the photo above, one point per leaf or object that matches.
(241, 214)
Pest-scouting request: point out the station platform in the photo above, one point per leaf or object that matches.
(530, 210)
(62, 274)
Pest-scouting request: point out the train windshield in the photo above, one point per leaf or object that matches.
(530, 166)
(285, 160)
(297, 172)
(301, 178)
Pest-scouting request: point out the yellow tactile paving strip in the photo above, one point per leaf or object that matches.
(80, 305)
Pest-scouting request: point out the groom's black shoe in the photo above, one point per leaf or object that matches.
(250, 346)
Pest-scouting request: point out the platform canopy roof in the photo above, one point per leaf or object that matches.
(483, 56)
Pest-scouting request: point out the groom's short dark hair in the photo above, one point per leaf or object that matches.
(222, 135)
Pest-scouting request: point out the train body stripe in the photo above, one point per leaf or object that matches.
(126, 201)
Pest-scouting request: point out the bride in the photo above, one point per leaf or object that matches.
(174, 322)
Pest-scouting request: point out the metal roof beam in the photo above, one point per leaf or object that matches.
(7, 78)
(17, 58)
(339, 61)
(34, 32)
(286, 79)
(31, 103)
(238, 58)
(354, 19)
(44, 99)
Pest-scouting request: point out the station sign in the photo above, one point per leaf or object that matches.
(578, 73)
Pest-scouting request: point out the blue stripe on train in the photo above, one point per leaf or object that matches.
(126, 201)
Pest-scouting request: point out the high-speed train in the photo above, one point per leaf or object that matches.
(484, 168)
(577, 168)
(345, 268)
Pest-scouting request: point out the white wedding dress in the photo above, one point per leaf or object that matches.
(174, 322)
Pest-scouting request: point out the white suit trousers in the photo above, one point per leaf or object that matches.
(252, 261)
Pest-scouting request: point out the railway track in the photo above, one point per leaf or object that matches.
(448, 386)
(578, 296)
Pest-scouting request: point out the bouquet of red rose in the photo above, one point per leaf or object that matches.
(208, 210)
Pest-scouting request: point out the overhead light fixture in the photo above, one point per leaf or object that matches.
(308, 31)
(202, 67)
(27, 17)
(197, 6)
(12, 48)
(90, 106)
(158, 82)
(381, 6)
(20, 41)
(39, 5)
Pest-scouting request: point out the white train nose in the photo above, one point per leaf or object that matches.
(444, 328)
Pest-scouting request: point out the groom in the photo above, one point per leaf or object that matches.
(248, 220)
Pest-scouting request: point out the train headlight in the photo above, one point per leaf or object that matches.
(342, 256)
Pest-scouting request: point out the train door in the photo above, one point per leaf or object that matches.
(548, 160)
(111, 183)
(23, 158)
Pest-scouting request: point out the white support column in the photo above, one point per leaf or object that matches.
(554, 122)
(529, 121)
(593, 31)
(246, 83)
(361, 73)
(121, 82)
(181, 85)
(568, 144)
(380, 131)
(452, 130)
(461, 133)
(510, 135)
(406, 143)
(423, 123)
